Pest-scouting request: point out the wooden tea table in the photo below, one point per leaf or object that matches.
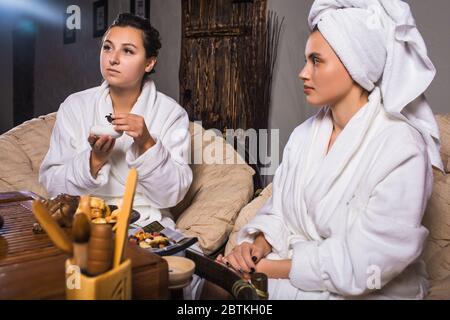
(31, 267)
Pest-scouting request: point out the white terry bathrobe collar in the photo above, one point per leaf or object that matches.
(119, 166)
(316, 173)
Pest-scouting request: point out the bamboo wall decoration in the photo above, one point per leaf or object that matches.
(228, 51)
(256, 78)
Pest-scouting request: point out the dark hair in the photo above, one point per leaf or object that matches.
(150, 36)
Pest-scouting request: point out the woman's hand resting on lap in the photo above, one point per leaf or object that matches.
(248, 258)
(245, 257)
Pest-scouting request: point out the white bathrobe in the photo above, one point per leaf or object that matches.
(349, 215)
(164, 175)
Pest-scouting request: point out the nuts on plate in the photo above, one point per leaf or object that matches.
(150, 240)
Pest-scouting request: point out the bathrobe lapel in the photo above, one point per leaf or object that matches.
(317, 173)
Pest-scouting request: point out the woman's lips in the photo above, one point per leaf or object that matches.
(112, 70)
(307, 89)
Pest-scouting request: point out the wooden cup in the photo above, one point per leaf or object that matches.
(100, 250)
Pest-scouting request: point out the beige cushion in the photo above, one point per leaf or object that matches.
(437, 220)
(437, 216)
(217, 194)
(22, 150)
(444, 127)
(246, 214)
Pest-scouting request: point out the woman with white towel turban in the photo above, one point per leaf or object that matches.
(155, 130)
(344, 220)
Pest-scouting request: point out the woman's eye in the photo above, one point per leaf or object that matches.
(128, 51)
(315, 60)
(106, 47)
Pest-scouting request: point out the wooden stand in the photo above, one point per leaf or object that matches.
(112, 285)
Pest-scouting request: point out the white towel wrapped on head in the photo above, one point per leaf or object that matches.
(379, 44)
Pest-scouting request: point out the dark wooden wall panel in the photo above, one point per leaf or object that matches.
(221, 50)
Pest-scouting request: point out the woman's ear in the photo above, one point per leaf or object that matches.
(151, 62)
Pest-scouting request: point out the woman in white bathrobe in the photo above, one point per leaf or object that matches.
(344, 220)
(155, 130)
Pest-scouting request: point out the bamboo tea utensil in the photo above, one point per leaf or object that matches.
(54, 231)
(81, 232)
(100, 249)
(124, 217)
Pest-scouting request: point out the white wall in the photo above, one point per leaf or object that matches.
(166, 18)
(289, 107)
(434, 24)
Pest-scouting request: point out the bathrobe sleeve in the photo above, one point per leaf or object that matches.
(66, 168)
(384, 238)
(164, 172)
(271, 223)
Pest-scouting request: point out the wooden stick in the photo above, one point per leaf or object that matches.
(124, 217)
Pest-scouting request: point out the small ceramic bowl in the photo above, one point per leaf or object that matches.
(180, 271)
(99, 130)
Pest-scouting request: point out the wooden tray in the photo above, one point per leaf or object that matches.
(31, 267)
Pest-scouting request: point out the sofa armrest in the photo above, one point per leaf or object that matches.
(21, 152)
(246, 214)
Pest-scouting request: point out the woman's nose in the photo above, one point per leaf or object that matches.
(114, 59)
(304, 74)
